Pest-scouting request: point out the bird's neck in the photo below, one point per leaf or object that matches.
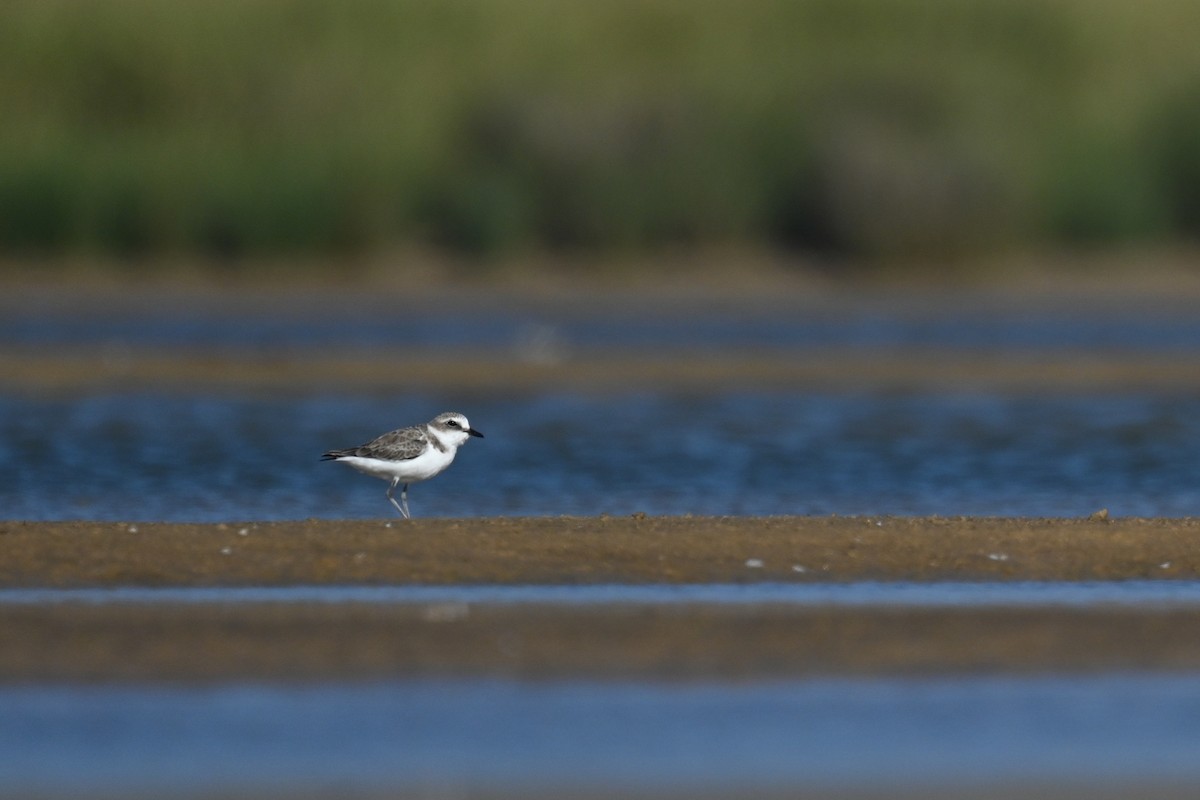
(441, 444)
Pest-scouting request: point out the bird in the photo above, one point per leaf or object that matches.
(408, 455)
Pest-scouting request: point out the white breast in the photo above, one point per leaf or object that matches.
(423, 467)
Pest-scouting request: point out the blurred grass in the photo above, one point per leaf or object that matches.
(862, 128)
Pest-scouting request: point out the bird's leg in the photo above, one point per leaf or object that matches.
(404, 501)
(403, 511)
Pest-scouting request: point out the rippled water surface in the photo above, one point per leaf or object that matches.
(209, 457)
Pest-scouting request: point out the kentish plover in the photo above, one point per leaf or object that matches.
(409, 455)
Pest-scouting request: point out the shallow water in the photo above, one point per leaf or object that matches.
(135, 456)
(444, 738)
(148, 456)
(879, 322)
(1041, 594)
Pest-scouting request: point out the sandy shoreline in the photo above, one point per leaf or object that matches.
(574, 550)
(364, 641)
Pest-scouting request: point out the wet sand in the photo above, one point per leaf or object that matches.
(311, 642)
(316, 641)
(575, 550)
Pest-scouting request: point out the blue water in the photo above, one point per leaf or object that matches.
(148, 456)
(448, 738)
(893, 594)
(961, 322)
(207, 457)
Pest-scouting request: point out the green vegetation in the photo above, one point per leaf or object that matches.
(863, 128)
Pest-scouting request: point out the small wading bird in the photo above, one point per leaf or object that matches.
(409, 455)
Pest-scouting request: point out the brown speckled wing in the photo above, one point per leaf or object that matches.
(398, 445)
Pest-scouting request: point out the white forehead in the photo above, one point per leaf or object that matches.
(452, 415)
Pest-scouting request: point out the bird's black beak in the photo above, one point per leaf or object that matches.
(474, 432)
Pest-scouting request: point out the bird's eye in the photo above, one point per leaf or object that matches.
(452, 423)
